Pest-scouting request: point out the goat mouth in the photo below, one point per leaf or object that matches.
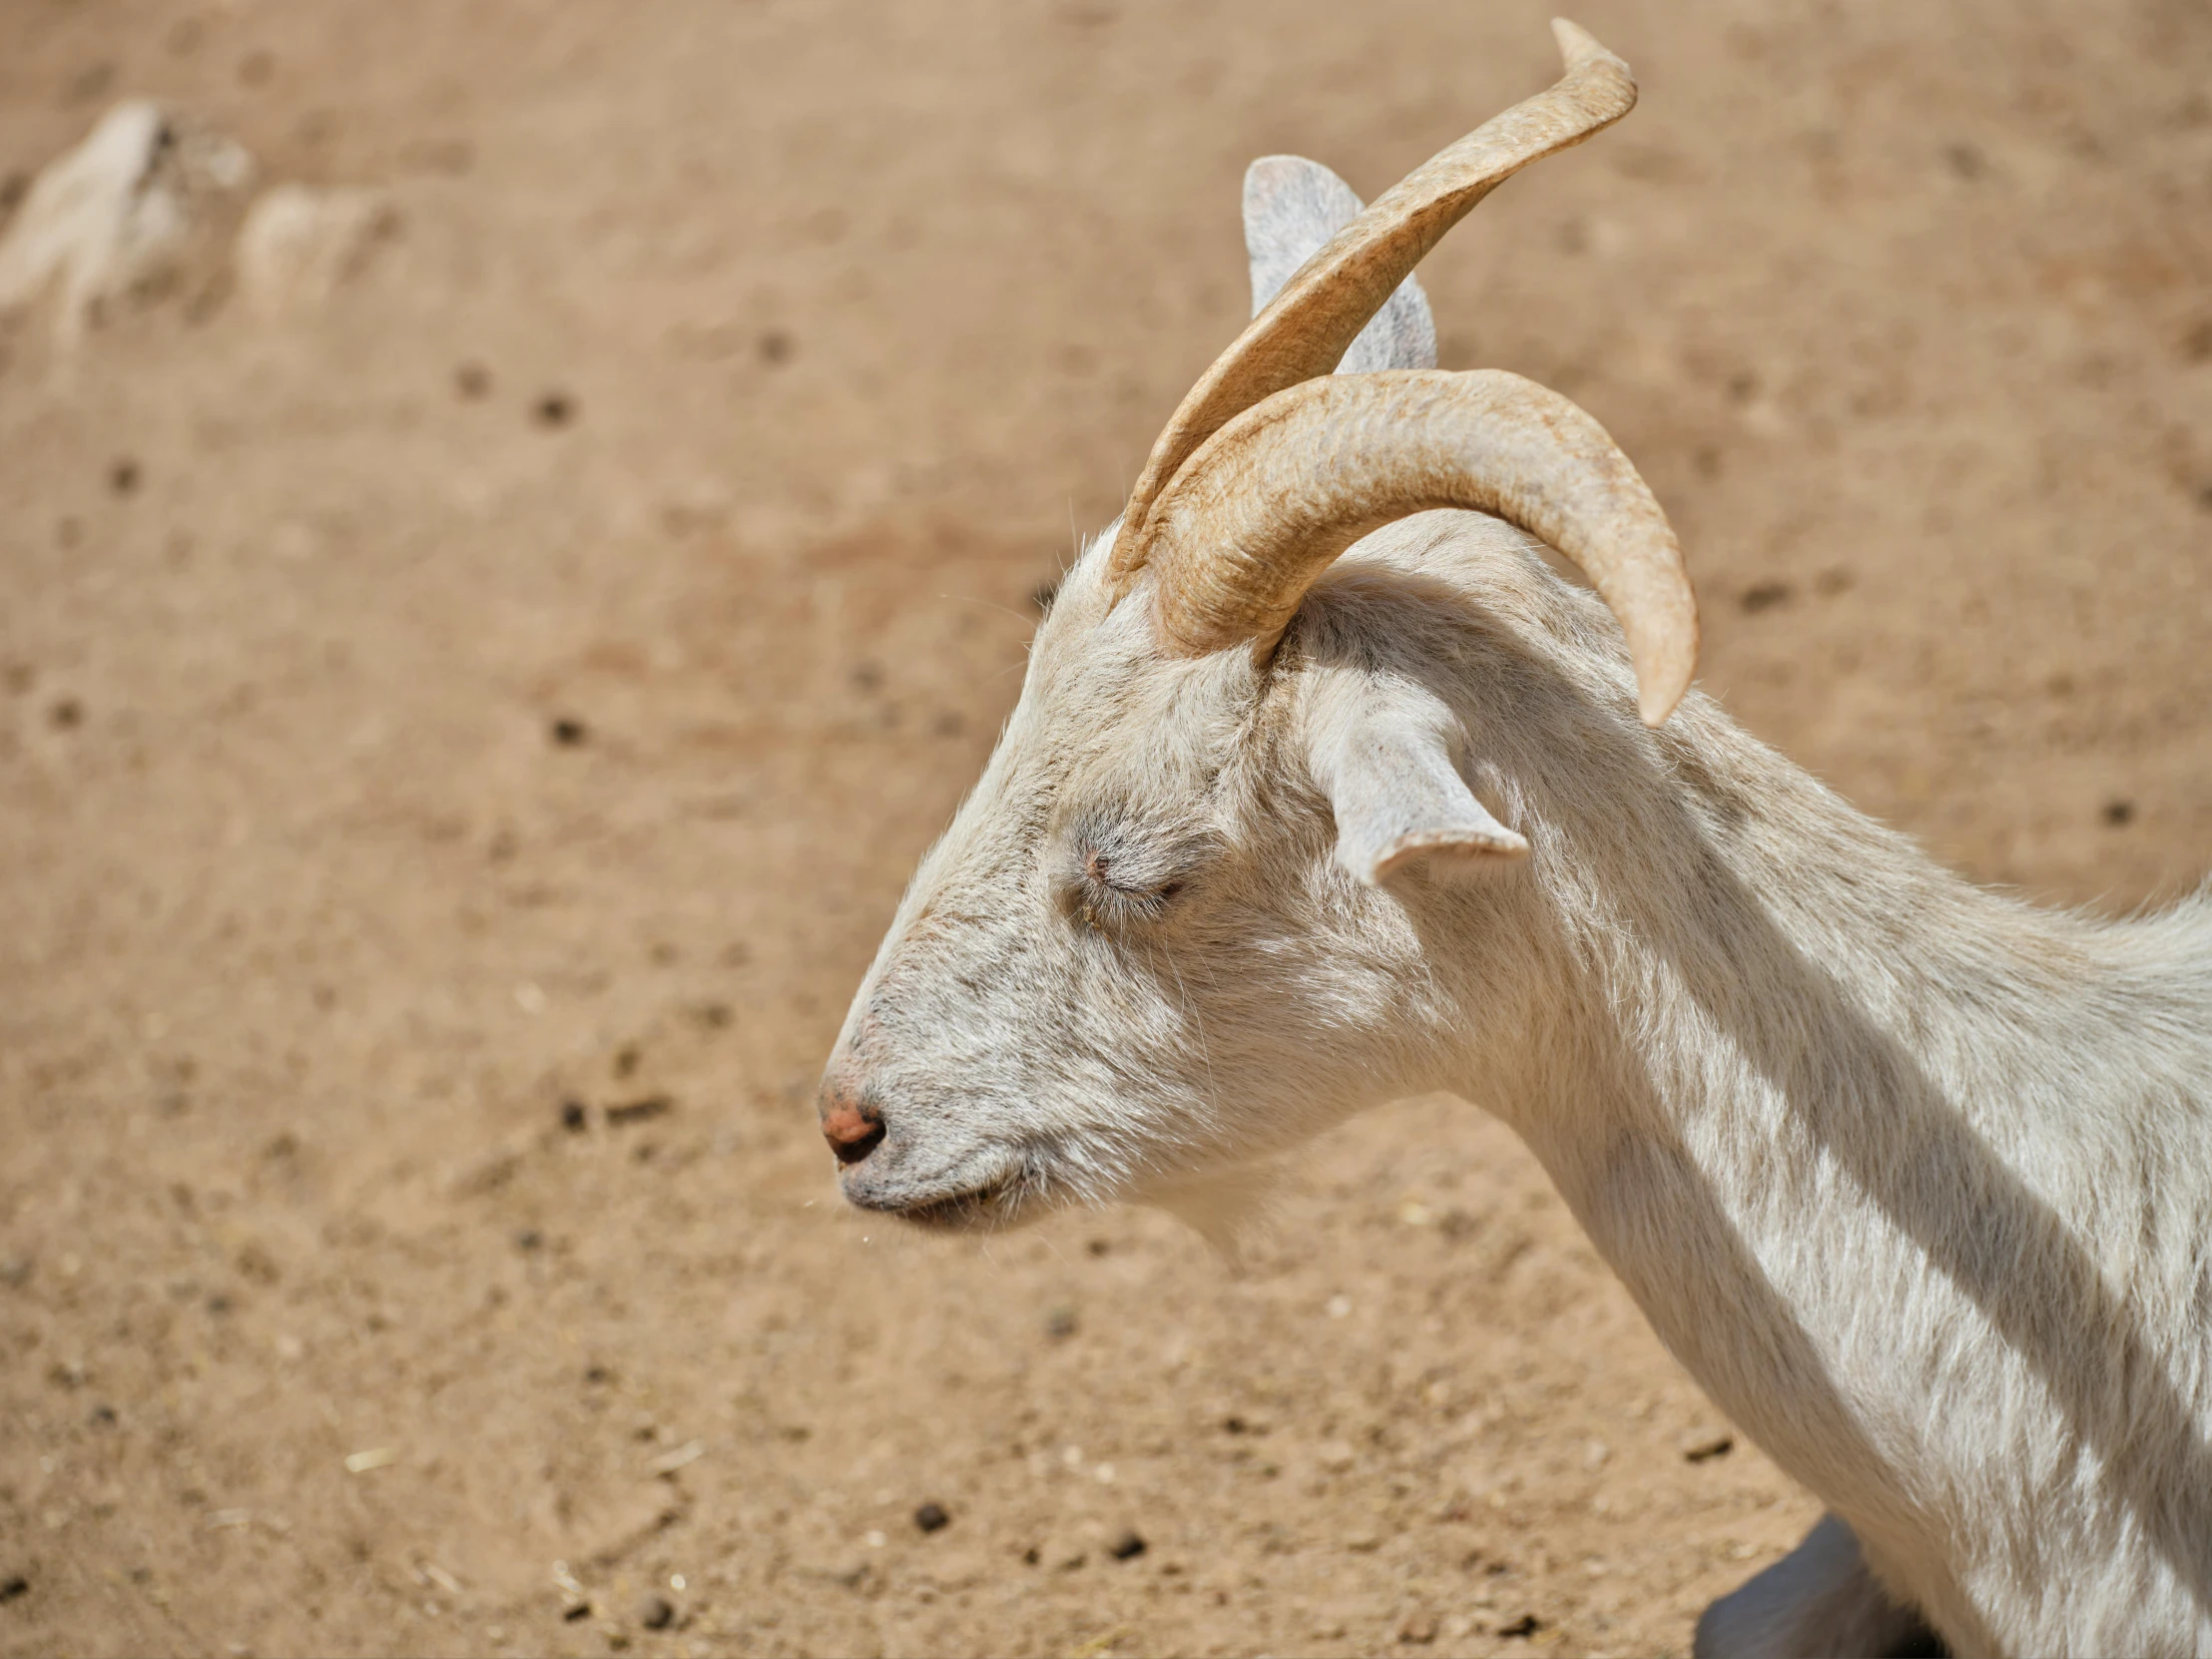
(989, 1190)
(992, 1203)
(957, 1212)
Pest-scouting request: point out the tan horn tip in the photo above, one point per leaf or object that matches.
(1666, 660)
(1577, 46)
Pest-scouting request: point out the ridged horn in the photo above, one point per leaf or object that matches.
(1322, 309)
(1264, 506)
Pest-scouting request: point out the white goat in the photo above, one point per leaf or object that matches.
(1916, 1180)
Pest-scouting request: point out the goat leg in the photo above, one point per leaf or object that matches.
(1820, 1601)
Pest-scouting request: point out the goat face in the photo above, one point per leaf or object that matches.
(1072, 998)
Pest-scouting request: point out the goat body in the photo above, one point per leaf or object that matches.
(1915, 1179)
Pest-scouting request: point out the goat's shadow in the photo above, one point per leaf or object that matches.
(1974, 1220)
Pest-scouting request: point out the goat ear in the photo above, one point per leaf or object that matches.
(1398, 798)
(1290, 208)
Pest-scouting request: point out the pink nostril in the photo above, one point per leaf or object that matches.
(853, 1133)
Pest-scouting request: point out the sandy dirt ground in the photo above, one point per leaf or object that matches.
(459, 746)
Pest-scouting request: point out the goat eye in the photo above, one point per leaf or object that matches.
(1112, 890)
(1112, 872)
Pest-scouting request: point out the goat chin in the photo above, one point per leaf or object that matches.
(1230, 1209)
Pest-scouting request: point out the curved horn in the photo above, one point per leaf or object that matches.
(1322, 309)
(1269, 501)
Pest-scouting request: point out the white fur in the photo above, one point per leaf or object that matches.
(1915, 1179)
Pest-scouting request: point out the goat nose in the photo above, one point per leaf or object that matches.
(853, 1128)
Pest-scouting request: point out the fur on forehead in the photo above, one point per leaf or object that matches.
(1098, 679)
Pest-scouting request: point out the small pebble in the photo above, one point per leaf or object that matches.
(1419, 1631)
(1765, 596)
(656, 1612)
(637, 1111)
(554, 409)
(1127, 1547)
(569, 733)
(581, 1610)
(1720, 1446)
(573, 1116)
(931, 1517)
(2118, 812)
(1526, 1625)
(14, 1585)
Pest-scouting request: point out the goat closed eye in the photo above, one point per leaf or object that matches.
(1118, 877)
(1102, 901)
